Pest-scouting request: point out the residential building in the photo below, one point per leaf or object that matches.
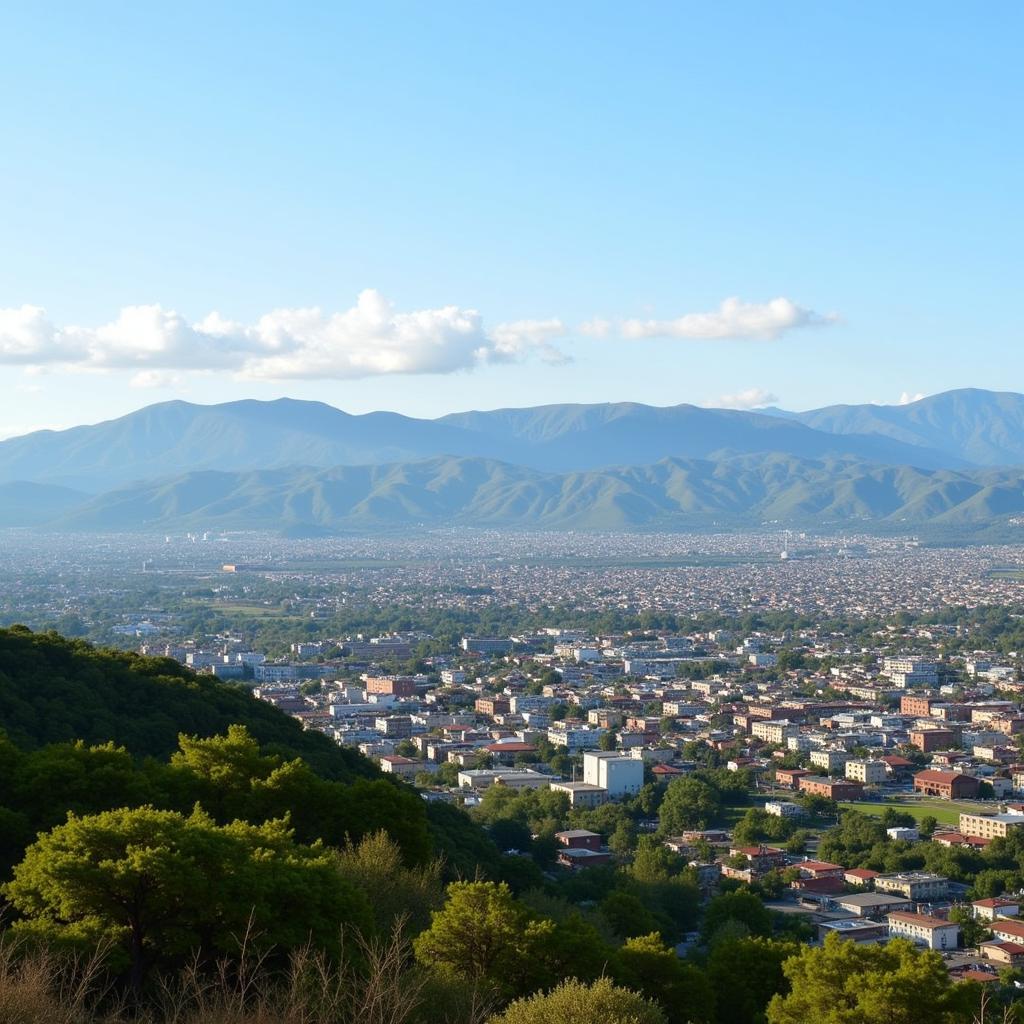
(404, 767)
(995, 907)
(919, 886)
(581, 794)
(830, 760)
(990, 826)
(620, 776)
(574, 739)
(394, 686)
(870, 773)
(933, 739)
(924, 930)
(776, 732)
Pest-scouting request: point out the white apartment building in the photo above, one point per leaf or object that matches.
(621, 776)
(776, 732)
(575, 739)
(909, 670)
(924, 930)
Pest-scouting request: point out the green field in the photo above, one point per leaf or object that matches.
(946, 812)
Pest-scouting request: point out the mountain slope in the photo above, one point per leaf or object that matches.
(562, 437)
(985, 428)
(673, 493)
(27, 504)
(177, 437)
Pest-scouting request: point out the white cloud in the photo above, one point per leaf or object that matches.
(370, 339)
(26, 336)
(752, 398)
(516, 339)
(367, 340)
(907, 398)
(732, 320)
(155, 379)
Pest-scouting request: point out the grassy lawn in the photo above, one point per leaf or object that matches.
(946, 812)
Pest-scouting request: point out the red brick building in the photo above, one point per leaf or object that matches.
(833, 789)
(790, 777)
(395, 686)
(947, 785)
(932, 739)
(919, 707)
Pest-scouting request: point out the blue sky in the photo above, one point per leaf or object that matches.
(537, 202)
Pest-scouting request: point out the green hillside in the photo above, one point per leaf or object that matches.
(54, 690)
(671, 494)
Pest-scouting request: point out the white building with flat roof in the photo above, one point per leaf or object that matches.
(620, 775)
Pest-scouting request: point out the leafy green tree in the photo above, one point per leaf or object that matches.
(688, 803)
(646, 964)
(850, 983)
(741, 906)
(622, 841)
(398, 895)
(574, 1002)
(483, 934)
(626, 915)
(157, 883)
(972, 931)
(758, 962)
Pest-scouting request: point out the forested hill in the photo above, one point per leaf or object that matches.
(54, 690)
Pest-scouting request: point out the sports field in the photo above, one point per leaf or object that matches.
(946, 812)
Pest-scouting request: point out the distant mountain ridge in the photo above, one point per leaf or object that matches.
(178, 437)
(985, 428)
(308, 467)
(671, 494)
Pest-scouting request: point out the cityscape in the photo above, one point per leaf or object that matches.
(511, 513)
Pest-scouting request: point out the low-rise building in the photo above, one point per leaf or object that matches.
(514, 778)
(872, 904)
(995, 907)
(870, 773)
(990, 826)
(919, 886)
(581, 794)
(833, 789)
(924, 930)
(946, 785)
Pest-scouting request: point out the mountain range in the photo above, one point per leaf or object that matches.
(306, 466)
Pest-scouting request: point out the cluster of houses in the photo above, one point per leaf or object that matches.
(627, 710)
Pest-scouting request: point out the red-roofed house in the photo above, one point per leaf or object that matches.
(1002, 952)
(819, 869)
(1008, 931)
(996, 906)
(860, 876)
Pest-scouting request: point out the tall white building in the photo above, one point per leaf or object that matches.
(621, 776)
